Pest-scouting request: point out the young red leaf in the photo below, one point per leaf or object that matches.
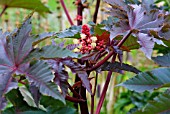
(104, 37)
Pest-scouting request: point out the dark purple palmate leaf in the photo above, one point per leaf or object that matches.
(138, 20)
(118, 67)
(79, 69)
(35, 93)
(6, 84)
(85, 81)
(165, 35)
(74, 66)
(14, 48)
(147, 43)
(61, 75)
(165, 31)
(3, 103)
(148, 4)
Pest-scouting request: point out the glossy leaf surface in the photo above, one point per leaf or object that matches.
(149, 80)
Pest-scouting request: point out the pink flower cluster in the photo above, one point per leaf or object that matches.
(78, 18)
(87, 42)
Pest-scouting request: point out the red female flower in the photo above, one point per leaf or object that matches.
(88, 42)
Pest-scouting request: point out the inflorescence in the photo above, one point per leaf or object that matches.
(87, 42)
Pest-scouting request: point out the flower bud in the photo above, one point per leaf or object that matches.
(93, 45)
(89, 40)
(94, 39)
(83, 36)
(76, 41)
(76, 50)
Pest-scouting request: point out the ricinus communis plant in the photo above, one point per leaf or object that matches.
(37, 77)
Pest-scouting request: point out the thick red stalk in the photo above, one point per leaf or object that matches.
(101, 100)
(111, 53)
(80, 12)
(102, 61)
(75, 100)
(93, 94)
(110, 74)
(96, 11)
(103, 92)
(124, 39)
(72, 90)
(66, 12)
(82, 89)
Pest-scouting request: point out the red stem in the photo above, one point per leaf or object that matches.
(102, 61)
(124, 39)
(111, 53)
(82, 90)
(103, 93)
(110, 73)
(92, 104)
(75, 100)
(93, 94)
(105, 88)
(80, 12)
(66, 12)
(74, 92)
(96, 11)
